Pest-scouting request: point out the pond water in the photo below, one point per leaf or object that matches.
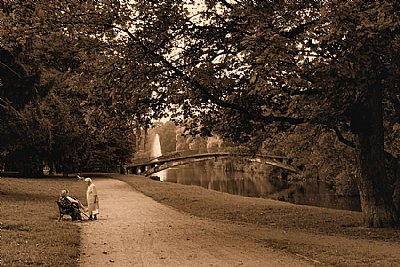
(257, 185)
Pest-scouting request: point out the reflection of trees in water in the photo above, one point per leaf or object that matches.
(240, 183)
(270, 185)
(323, 194)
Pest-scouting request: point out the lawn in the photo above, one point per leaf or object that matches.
(30, 233)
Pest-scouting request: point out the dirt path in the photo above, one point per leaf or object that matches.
(134, 230)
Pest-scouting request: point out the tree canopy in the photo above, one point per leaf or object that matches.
(245, 70)
(47, 110)
(249, 69)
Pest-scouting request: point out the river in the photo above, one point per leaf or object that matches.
(258, 185)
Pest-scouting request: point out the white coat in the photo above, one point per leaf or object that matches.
(92, 199)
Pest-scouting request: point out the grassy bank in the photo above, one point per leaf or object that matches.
(30, 234)
(222, 206)
(326, 237)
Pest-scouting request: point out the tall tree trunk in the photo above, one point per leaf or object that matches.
(374, 186)
(396, 187)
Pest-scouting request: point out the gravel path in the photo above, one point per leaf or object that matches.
(134, 230)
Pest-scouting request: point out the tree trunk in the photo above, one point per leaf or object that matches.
(396, 189)
(374, 186)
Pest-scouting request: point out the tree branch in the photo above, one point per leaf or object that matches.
(297, 30)
(226, 4)
(11, 70)
(203, 90)
(6, 105)
(342, 139)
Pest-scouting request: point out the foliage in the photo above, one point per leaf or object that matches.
(49, 47)
(248, 70)
(317, 152)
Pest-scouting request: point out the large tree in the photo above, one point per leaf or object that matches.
(249, 69)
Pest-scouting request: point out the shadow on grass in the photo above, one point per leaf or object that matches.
(26, 196)
(29, 228)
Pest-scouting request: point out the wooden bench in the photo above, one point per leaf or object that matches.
(65, 207)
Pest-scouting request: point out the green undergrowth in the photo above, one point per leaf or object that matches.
(30, 233)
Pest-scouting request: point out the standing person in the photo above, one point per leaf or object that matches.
(92, 199)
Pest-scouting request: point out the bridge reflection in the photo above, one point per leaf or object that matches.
(152, 166)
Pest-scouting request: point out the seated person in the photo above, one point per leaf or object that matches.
(75, 204)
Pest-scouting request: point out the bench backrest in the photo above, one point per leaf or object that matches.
(64, 204)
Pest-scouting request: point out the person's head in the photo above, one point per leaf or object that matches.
(64, 193)
(88, 180)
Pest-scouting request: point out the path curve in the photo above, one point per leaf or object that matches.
(135, 230)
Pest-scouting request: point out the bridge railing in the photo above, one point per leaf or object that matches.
(161, 163)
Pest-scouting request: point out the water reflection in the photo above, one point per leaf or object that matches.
(243, 184)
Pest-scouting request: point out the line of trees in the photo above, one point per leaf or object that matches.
(48, 64)
(249, 71)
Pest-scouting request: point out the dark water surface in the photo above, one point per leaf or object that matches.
(256, 185)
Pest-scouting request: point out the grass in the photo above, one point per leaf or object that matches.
(30, 233)
(211, 204)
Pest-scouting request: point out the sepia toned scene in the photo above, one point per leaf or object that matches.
(199, 133)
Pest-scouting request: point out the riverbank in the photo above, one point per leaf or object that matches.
(328, 236)
(222, 206)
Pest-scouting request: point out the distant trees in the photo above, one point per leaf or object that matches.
(19, 87)
(47, 110)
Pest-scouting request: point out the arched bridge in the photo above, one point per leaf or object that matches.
(150, 167)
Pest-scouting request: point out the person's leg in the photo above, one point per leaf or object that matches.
(76, 214)
(73, 216)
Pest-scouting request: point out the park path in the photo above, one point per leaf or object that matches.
(135, 230)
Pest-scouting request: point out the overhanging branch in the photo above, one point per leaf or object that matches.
(342, 139)
(203, 90)
(293, 33)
